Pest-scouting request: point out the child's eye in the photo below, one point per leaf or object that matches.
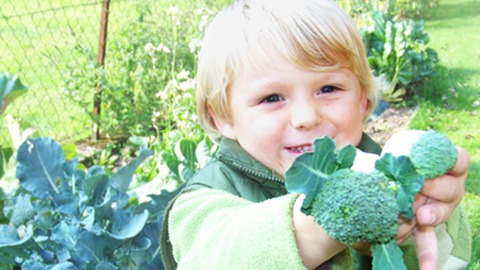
(272, 98)
(327, 89)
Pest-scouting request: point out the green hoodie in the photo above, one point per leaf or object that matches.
(208, 226)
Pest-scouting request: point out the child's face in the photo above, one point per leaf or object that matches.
(276, 114)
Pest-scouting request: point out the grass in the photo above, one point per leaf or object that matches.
(450, 102)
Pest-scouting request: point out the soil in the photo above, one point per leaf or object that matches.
(392, 120)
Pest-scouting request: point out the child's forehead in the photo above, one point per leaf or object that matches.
(264, 55)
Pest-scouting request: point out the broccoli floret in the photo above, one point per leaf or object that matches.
(356, 207)
(431, 153)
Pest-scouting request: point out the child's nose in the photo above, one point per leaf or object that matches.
(305, 116)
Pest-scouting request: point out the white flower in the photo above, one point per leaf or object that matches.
(194, 44)
(173, 10)
(149, 47)
(163, 48)
(183, 74)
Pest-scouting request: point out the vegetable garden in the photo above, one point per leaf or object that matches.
(68, 208)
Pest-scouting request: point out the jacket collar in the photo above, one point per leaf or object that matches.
(232, 154)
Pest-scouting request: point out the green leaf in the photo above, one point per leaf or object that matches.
(70, 150)
(122, 179)
(126, 225)
(66, 203)
(204, 151)
(172, 163)
(187, 150)
(19, 210)
(66, 233)
(9, 236)
(310, 170)
(90, 247)
(34, 265)
(10, 89)
(40, 163)
(346, 157)
(64, 266)
(387, 256)
(158, 203)
(106, 266)
(5, 155)
(408, 181)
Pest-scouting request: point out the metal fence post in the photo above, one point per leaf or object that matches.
(102, 44)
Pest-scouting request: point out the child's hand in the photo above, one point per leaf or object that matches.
(443, 193)
(433, 206)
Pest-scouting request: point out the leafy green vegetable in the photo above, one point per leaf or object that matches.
(408, 181)
(354, 206)
(62, 217)
(433, 154)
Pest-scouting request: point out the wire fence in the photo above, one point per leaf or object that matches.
(40, 41)
(37, 43)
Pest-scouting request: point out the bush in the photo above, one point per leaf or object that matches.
(398, 52)
(147, 85)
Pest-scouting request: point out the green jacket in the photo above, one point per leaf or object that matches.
(258, 190)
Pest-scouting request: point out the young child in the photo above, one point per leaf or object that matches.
(274, 75)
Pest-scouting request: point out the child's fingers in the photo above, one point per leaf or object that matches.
(405, 228)
(434, 213)
(427, 247)
(463, 161)
(445, 188)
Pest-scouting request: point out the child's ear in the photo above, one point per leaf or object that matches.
(224, 126)
(364, 105)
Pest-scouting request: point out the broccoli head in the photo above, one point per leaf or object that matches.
(356, 207)
(431, 152)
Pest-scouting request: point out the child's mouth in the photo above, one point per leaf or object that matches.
(301, 149)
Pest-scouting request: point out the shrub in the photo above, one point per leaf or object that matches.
(147, 81)
(398, 52)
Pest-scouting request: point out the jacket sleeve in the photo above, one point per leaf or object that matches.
(212, 229)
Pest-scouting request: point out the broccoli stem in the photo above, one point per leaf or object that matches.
(387, 256)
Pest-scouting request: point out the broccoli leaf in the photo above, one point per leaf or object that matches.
(309, 171)
(403, 173)
(40, 163)
(387, 256)
(122, 179)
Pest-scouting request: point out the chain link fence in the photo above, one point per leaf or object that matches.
(40, 42)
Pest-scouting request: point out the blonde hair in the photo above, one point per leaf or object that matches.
(314, 35)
